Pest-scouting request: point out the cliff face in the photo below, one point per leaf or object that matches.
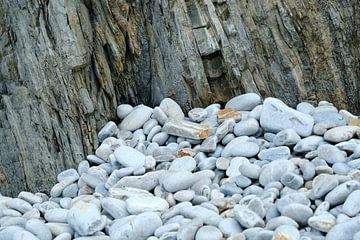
(66, 64)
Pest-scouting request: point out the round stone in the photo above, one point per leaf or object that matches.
(208, 233)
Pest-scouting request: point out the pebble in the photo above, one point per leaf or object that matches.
(275, 153)
(342, 133)
(174, 181)
(123, 110)
(129, 157)
(136, 205)
(163, 175)
(85, 219)
(247, 127)
(277, 116)
(247, 218)
(136, 118)
(244, 102)
(171, 109)
(286, 137)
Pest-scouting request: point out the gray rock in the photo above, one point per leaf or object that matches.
(247, 127)
(160, 138)
(139, 227)
(286, 232)
(307, 170)
(197, 114)
(208, 233)
(186, 129)
(273, 173)
(209, 144)
(207, 216)
(160, 116)
(123, 110)
(292, 180)
(229, 227)
(242, 181)
(19, 205)
(114, 207)
(286, 137)
(277, 116)
(351, 205)
(184, 195)
(244, 102)
(225, 127)
(339, 194)
(324, 184)
(321, 127)
(174, 181)
(308, 144)
(275, 153)
(305, 107)
(136, 118)
(39, 229)
(136, 205)
(323, 221)
(56, 215)
(329, 116)
(342, 133)
(276, 222)
(345, 230)
(250, 170)
(109, 130)
(85, 218)
(185, 163)
(171, 109)
(247, 218)
(148, 181)
(330, 153)
(298, 212)
(240, 147)
(129, 157)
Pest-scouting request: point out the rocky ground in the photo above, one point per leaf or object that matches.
(254, 170)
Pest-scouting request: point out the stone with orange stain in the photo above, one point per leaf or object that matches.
(186, 129)
(185, 152)
(354, 121)
(227, 113)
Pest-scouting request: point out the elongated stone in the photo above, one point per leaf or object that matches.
(244, 102)
(136, 118)
(186, 129)
(171, 109)
(342, 133)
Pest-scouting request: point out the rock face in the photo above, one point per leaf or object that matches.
(65, 64)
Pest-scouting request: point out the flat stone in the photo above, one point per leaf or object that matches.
(19, 205)
(185, 163)
(329, 116)
(246, 127)
(136, 118)
(240, 147)
(286, 137)
(174, 181)
(85, 218)
(275, 153)
(56, 215)
(171, 109)
(342, 133)
(184, 195)
(339, 194)
(277, 116)
(129, 157)
(247, 218)
(228, 113)
(186, 129)
(244, 102)
(136, 205)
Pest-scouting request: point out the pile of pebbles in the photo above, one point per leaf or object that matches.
(254, 170)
